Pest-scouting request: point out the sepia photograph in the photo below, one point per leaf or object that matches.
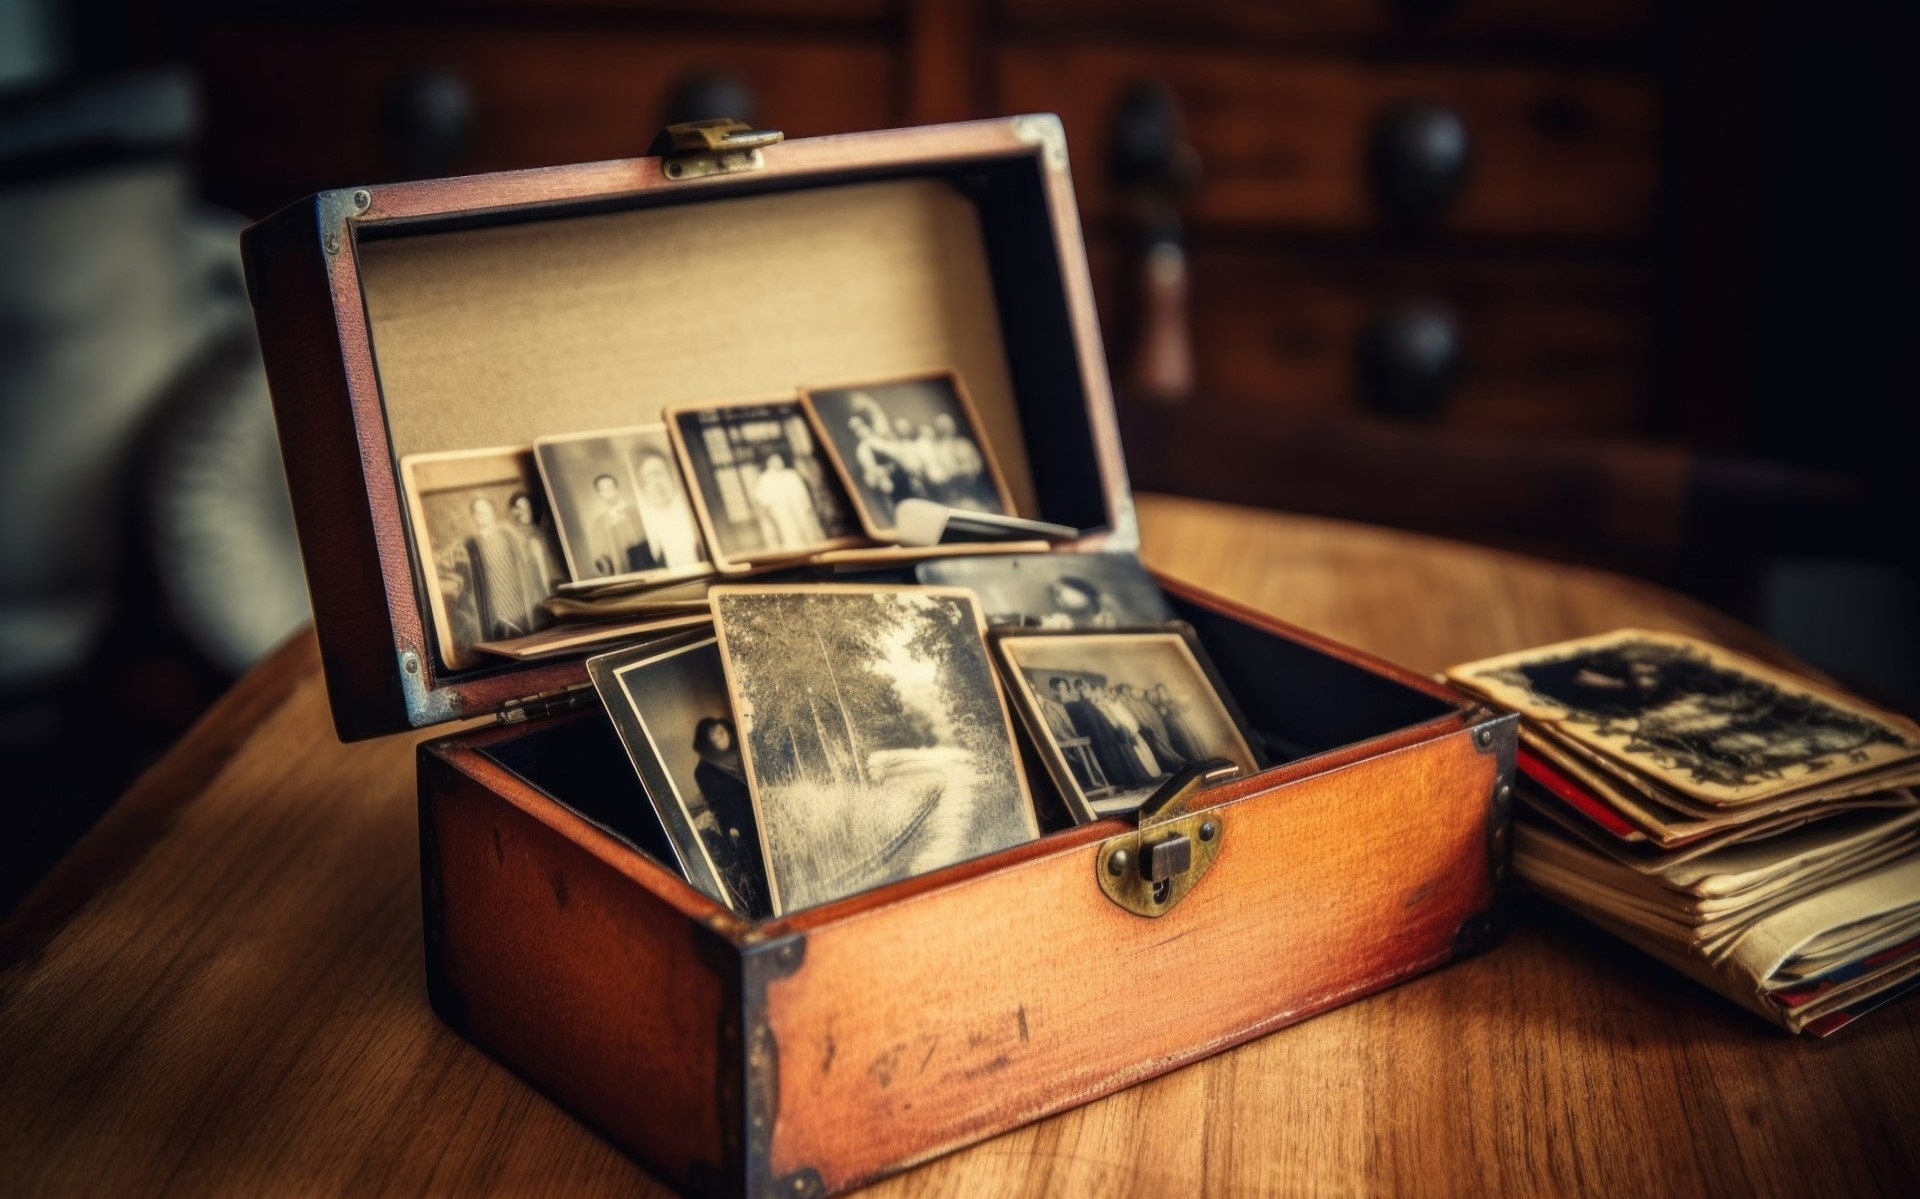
(485, 545)
(1709, 723)
(620, 506)
(761, 487)
(669, 703)
(1055, 591)
(916, 437)
(1116, 714)
(877, 743)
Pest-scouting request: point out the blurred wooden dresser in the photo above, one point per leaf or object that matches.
(1398, 241)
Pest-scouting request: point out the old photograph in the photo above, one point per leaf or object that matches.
(908, 438)
(669, 703)
(1711, 724)
(620, 506)
(877, 743)
(485, 544)
(1056, 591)
(1117, 714)
(760, 485)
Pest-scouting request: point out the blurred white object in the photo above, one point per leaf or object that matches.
(121, 298)
(923, 522)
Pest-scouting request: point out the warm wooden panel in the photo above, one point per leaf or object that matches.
(544, 946)
(1606, 20)
(1282, 141)
(293, 110)
(934, 1020)
(1564, 347)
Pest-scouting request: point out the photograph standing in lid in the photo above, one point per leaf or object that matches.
(908, 438)
(485, 545)
(760, 486)
(622, 510)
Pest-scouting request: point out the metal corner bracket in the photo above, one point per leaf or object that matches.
(425, 705)
(1045, 130)
(334, 210)
(1499, 735)
(762, 962)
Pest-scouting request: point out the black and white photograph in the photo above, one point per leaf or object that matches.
(1711, 724)
(669, 703)
(1055, 591)
(622, 511)
(1117, 714)
(877, 742)
(486, 547)
(908, 438)
(761, 487)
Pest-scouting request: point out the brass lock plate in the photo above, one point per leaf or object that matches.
(720, 146)
(1151, 869)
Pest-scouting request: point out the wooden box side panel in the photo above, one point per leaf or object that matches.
(307, 373)
(599, 992)
(913, 1029)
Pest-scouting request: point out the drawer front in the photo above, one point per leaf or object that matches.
(1531, 347)
(1590, 20)
(1284, 143)
(408, 102)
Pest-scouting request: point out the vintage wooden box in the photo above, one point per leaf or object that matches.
(811, 1053)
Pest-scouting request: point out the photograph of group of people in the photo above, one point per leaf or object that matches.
(914, 438)
(488, 545)
(1117, 714)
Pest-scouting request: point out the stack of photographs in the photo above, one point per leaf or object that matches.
(1755, 830)
(587, 538)
(826, 738)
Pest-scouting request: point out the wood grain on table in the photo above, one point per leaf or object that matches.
(220, 988)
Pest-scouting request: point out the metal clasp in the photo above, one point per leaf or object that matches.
(1150, 869)
(718, 146)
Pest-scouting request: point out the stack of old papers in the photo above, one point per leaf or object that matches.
(1754, 830)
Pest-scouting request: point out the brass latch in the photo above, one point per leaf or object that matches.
(719, 146)
(1152, 868)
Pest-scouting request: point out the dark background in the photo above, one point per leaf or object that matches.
(1620, 283)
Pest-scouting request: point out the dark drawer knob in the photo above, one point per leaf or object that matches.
(1409, 359)
(1417, 161)
(426, 121)
(1421, 10)
(705, 95)
(1147, 148)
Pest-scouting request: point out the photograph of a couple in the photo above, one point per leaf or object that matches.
(908, 438)
(488, 545)
(622, 510)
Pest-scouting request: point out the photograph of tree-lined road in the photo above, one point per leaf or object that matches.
(877, 743)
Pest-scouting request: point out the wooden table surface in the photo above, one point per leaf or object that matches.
(220, 988)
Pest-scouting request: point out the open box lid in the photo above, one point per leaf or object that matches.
(480, 312)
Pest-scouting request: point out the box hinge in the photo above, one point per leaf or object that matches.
(1152, 868)
(719, 146)
(545, 704)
